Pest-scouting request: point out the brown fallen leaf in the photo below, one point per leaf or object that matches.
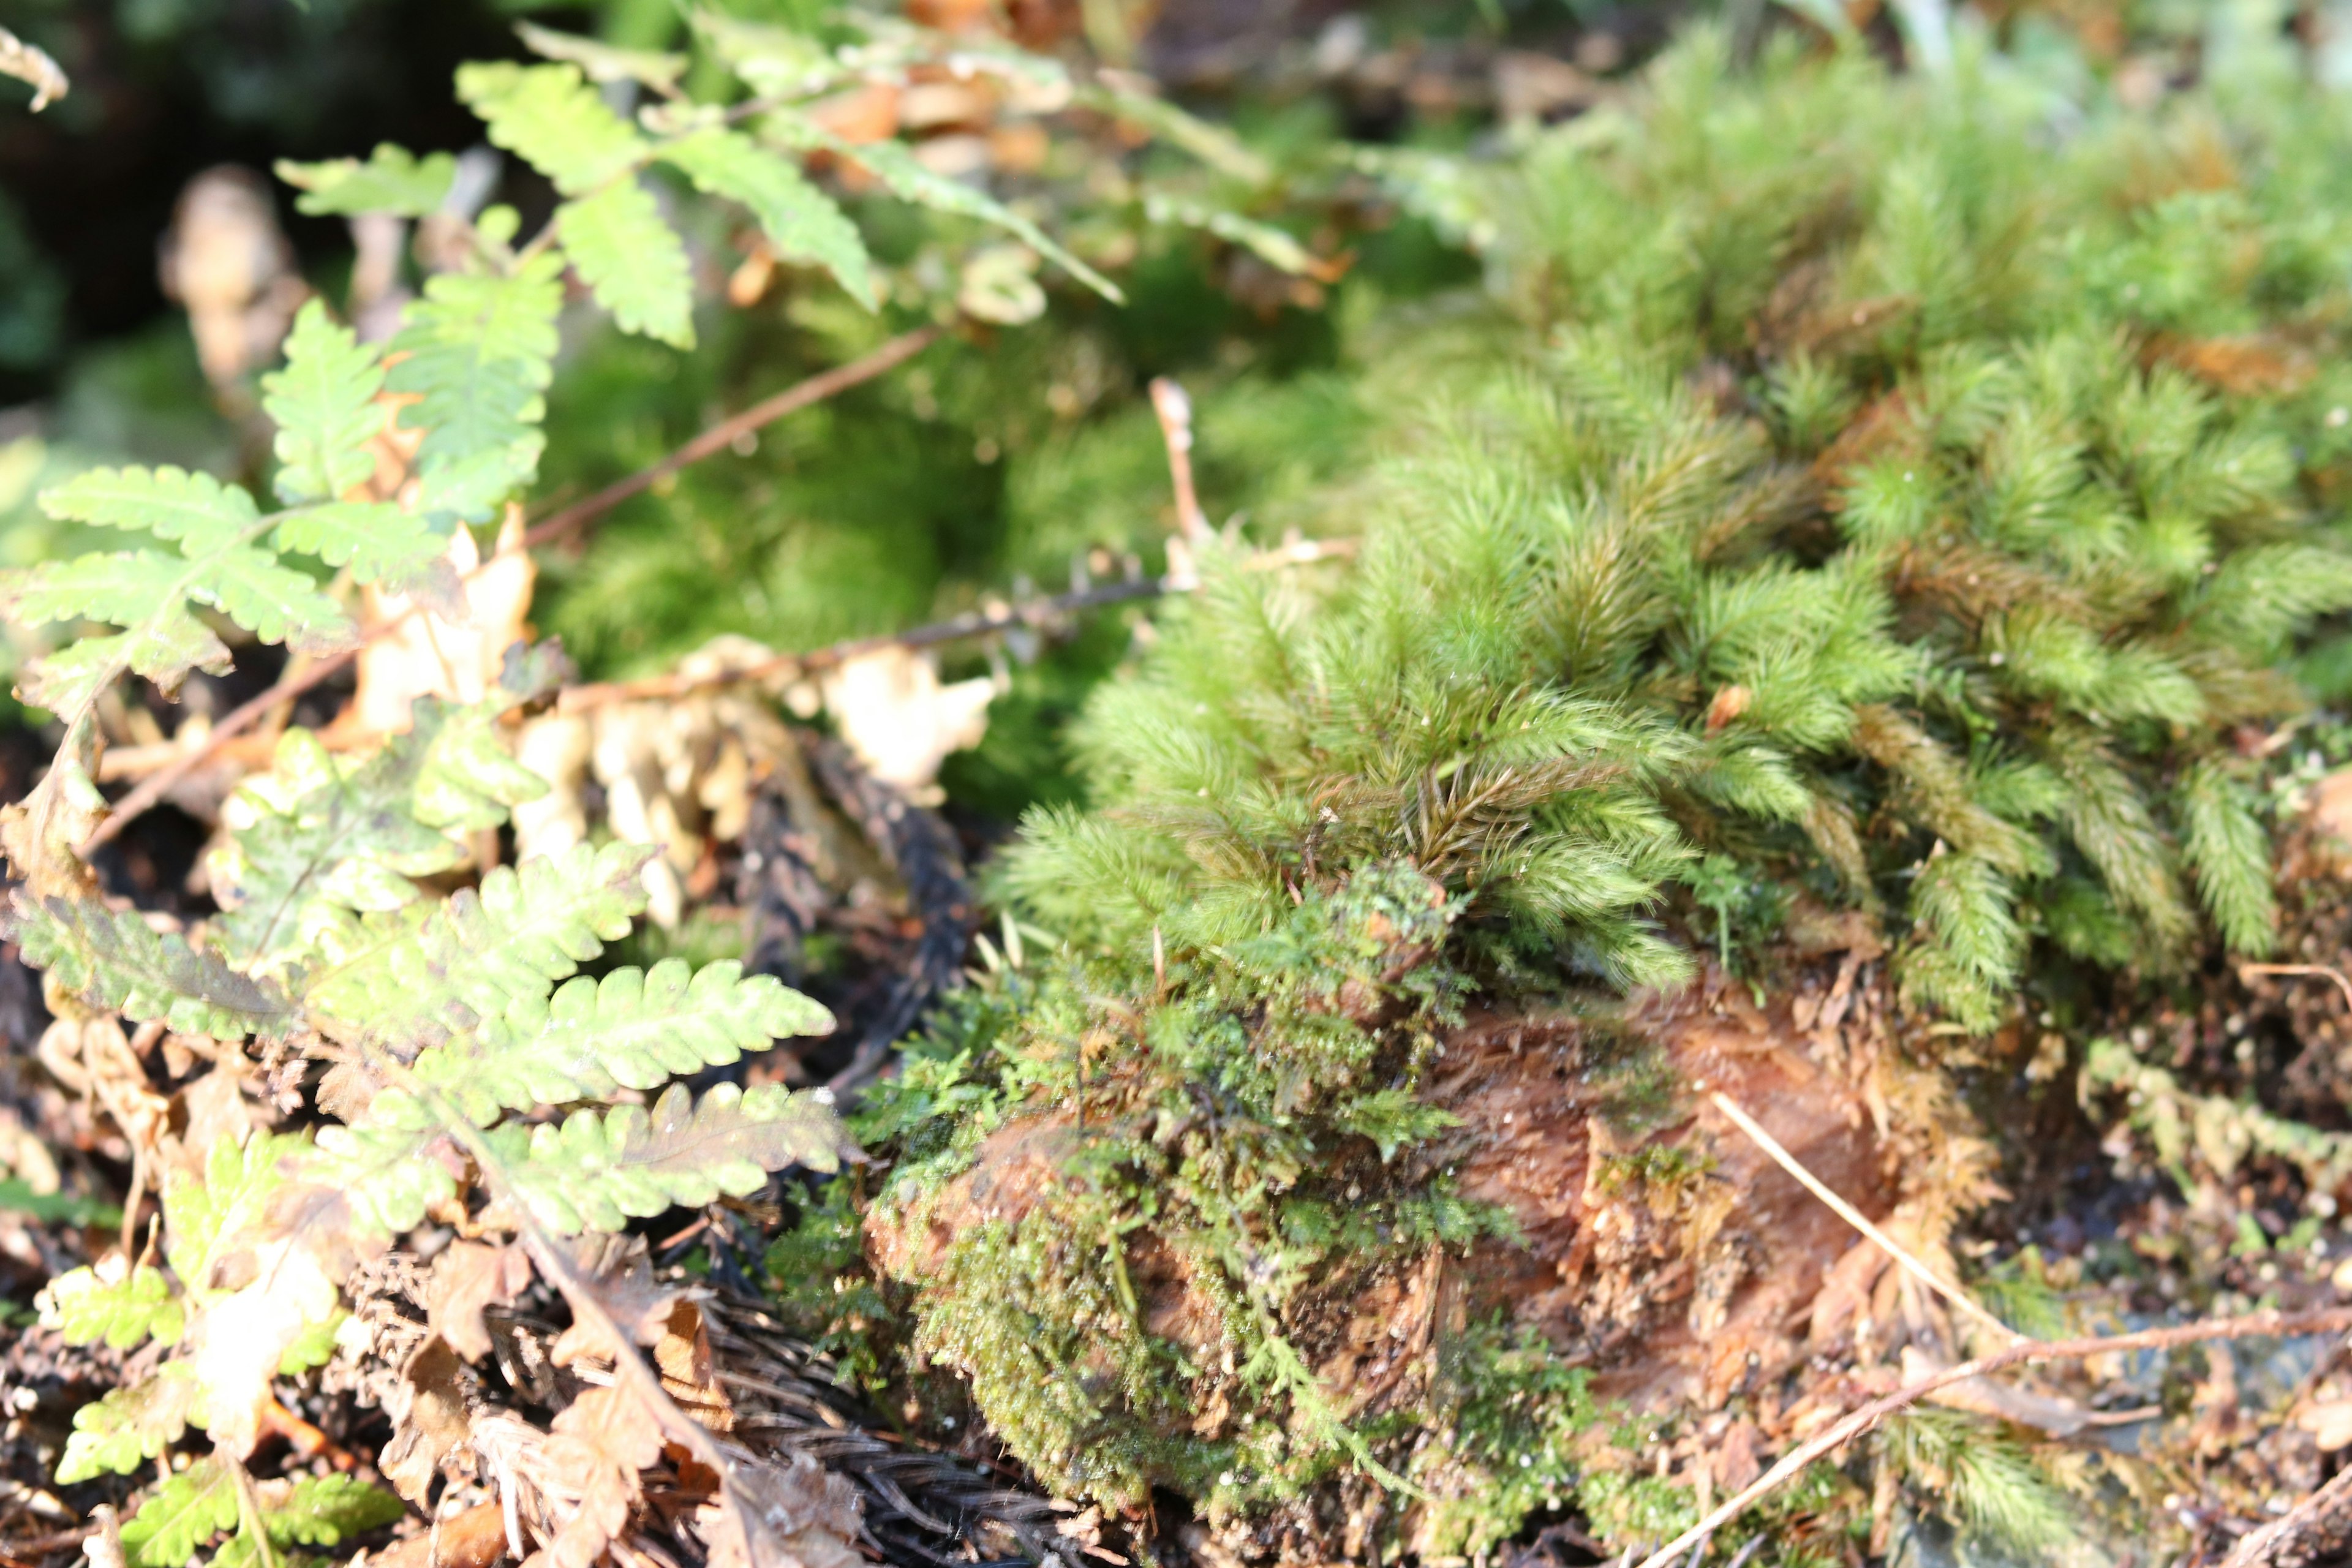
(429, 1420)
(2329, 1423)
(226, 260)
(617, 1273)
(899, 720)
(467, 1277)
(793, 1513)
(430, 654)
(689, 1373)
(591, 1472)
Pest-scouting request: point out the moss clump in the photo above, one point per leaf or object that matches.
(1873, 510)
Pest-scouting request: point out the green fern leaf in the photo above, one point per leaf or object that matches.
(605, 62)
(170, 503)
(324, 402)
(116, 1434)
(633, 1029)
(800, 222)
(386, 1171)
(477, 350)
(906, 178)
(418, 977)
(86, 1309)
(379, 542)
(112, 959)
(330, 841)
(185, 1512)
(150, 594)
(328, 1510)
(601, 1169)
(205, 1213)
(392, 179)
(550, 118)
(631, 260)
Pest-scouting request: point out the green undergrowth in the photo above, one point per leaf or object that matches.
(1888, 496)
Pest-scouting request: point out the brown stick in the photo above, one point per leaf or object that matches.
(2265, 1545)
(244, 715)
(2321, 970)
(792, 400)
(2024, 1353)
(1175, 412)
(1856, 1218)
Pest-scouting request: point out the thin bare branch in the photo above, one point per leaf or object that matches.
(1856, 1218)
(2248, 971)
(724, 434)
(1175, 411)
(2274, 1540)
(2022, 1352)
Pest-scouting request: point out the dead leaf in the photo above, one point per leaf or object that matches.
(789, 1514)
(619, 1276)
(429, 1422)
(26, 63)
(2331, 804)
(689, 1373)
(2329, 1423)
(235, 1345)
(591, 1472)
(899, 720)
(432, 654)
(467, 1277)
(228, 263)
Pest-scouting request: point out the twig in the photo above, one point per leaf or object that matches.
(792, 400)
(1175, 411)
(2022, 1352)
(2265, 1545)
(244, 715)
(1855, 1217)
(2246, 971)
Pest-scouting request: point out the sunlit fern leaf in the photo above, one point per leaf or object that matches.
(633, 1029)
(150, 595)
(380, 1175)
(631, 260)
(113, 959)
(131, 1425)
(184, 1513)
(324, 402)
(392, 179)
(478, 351)
(800, 222)
(906, 178)
(418, 976)
(606, 62)
(123, 1313)
(207, 1213)
(313, 1511)
(379, 542)
(550, 118)
(600, 1169)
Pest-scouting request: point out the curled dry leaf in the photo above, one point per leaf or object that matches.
(226, 260)
(899, 720)
(792, 1514)
(467, 1277)
(456, 657)
(616, 1270)
(30, 64)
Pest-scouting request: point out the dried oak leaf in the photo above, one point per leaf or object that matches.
(618, 1275)
(467, 1277)
(689, 1373)
(430, 1420)
(592, 1467)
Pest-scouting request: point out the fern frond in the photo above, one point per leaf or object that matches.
(598, 1170)
(552, 120)
(478, 351)
(113, 959)
(206, 1213)
(87, 1309)
(906, 177)
(184, 1513)
(324, 403)
(129, 1426)
(800, 222)
(631, 260)
(385, 1170)
(632, 1029)
(317, 1510)
(392, 179)
(416, 977)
